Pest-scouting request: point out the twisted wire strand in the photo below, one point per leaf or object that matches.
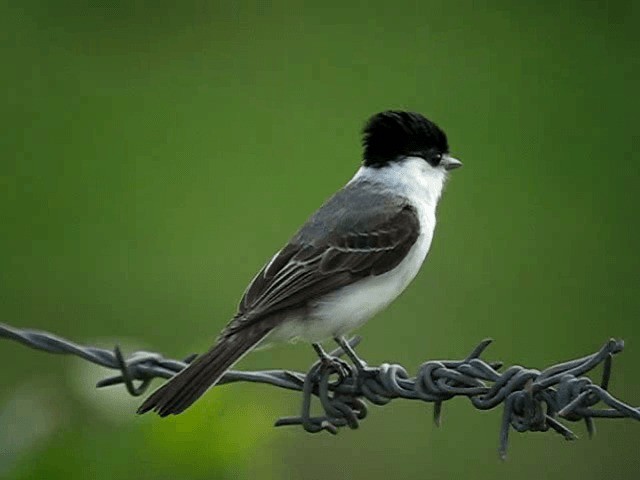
(533, 400)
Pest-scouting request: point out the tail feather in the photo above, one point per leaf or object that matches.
(187, 386)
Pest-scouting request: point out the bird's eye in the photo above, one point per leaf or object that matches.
(436, 159)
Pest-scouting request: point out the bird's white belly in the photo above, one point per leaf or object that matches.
(348, 308)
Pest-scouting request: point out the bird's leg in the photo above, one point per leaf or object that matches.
(341, 367)
(364, 371)
(351, 353)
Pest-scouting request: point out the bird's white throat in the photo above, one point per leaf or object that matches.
(411, 177)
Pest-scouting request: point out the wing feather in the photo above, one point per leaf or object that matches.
(312, 265)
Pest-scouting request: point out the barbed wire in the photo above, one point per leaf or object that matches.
(533, 400)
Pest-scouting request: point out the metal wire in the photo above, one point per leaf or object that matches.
(533, 400)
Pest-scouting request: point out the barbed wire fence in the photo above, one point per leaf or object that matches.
(532, 400)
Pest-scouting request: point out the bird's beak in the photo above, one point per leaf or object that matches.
(450, 163)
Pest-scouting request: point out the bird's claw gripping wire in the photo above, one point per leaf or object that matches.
(331, 364)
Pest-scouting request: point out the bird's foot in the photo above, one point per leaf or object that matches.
(346, 347)
(363, 371)
(330, 362)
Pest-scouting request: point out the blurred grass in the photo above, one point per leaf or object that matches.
(155, 155)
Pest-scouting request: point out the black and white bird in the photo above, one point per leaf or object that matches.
(351, 258)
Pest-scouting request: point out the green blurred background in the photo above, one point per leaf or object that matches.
(152, 156)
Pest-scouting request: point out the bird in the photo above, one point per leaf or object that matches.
(353, 257)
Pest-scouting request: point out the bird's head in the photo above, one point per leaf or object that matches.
(392, 136)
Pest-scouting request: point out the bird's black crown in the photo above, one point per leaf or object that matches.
(389, 136)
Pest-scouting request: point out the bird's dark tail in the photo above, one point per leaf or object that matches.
(187, 386)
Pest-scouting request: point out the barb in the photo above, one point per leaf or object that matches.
(533, 400)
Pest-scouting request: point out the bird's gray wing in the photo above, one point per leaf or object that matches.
(357, 233)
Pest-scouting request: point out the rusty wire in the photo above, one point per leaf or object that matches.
(532, 400)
